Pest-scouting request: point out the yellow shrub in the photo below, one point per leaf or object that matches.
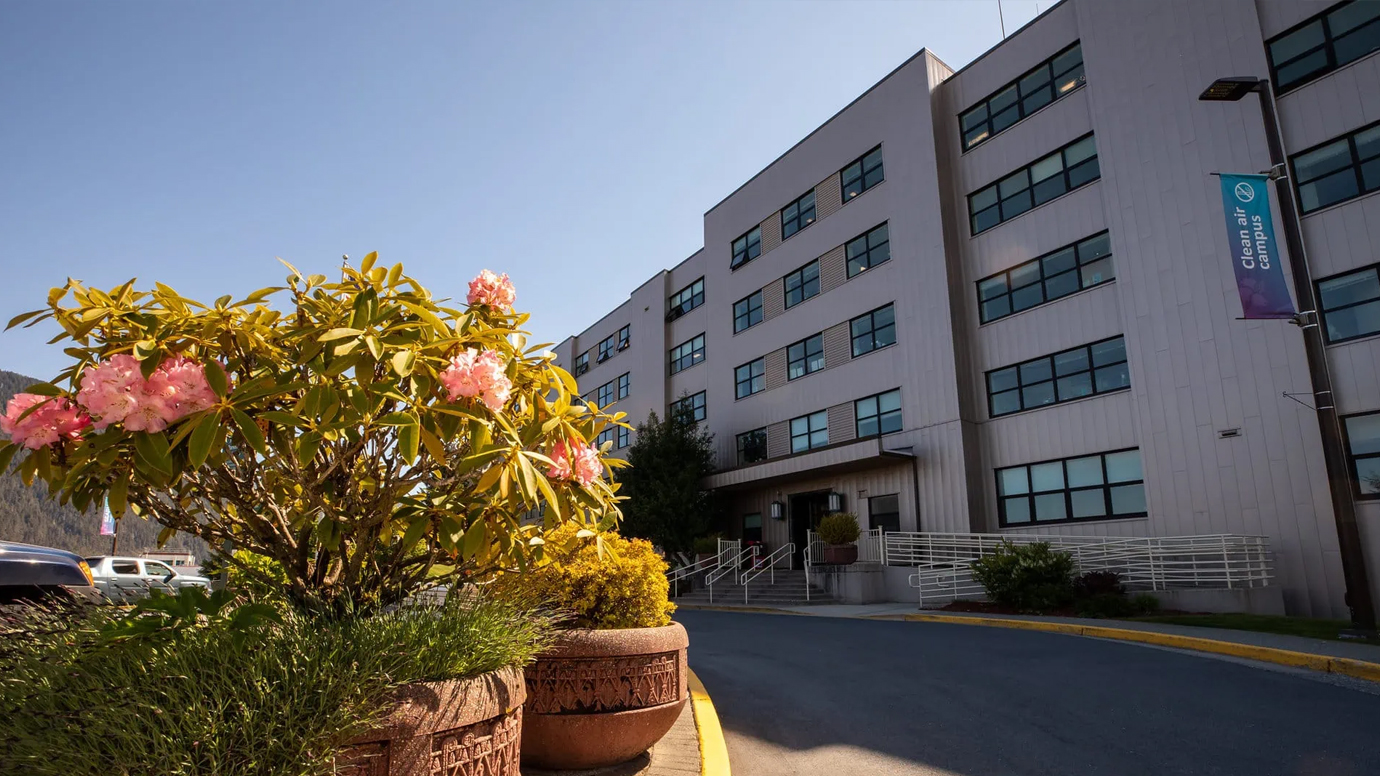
(626, 588)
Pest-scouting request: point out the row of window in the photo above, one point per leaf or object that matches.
(685, 300)
(693, 406)
(873, 416)
(1339, 170)
(1059, 273)
(1065, 376)
(1351, 304)
(613, 390)
(617, 435)
(869, 331)
(1043, 84)
(687, 353)
(1090, 487)
(1340, 35)
(606, 348)
(1363, 445)
(857, 177)
(1066, 169)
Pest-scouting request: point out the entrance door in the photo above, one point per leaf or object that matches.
(806, 511)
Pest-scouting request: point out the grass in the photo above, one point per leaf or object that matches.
(202, 701)
(1260, 623)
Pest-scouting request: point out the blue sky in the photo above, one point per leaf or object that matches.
(574, 145)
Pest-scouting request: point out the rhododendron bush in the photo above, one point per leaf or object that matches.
(370, 438)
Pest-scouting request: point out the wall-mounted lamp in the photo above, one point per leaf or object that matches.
(777, 510)
(835, 501)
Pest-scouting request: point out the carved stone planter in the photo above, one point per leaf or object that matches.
(601, 697)
(840, 554)
(465, 727)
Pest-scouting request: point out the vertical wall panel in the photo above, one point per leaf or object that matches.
(842, 427)
(832, 270)
(828, 197)
(771, 232)
(776, 369)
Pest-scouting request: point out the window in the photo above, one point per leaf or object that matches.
(686, 299)
(809, 432)
(884, 512)
(802, 284)
(1063, 171)
(1047, 82)
(752, 446)
(1065, 376)
(747, 312)
(880, 414)
(873, 330)
(687, 354)
(1340, 169)
(750, 378)
(624, 385)
(608, 435)
(155, 569)
(623, 436)
(604, 395)
(1343, 33)
(752, 527)
(1363, 444)
(868, 250)
(805, 356)
(1072, 268)
(798, 215)
(605, 350)
(862, 174)
(747, 247)
(582, 363)
(1093, 487)
(624, 337)
(1350, 304)
(692, 405)
(124, 567)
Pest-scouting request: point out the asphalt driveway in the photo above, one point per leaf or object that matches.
(814, 696)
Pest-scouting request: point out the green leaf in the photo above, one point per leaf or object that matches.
(367, 263)
(251, 431)
(18, 319)
(307, 445)
(415, 532)
(433, 445)
(44, 389)
(475, 539)
(375, 347)
(153, 449)
(430, 317)
(283, 419)
(393, 274)
(200, 445)
(118, 496)
(407, 443)
(341, 333)
(403, 361)
(215, 376)
(397, 419)
(7, 452)
(164, 535)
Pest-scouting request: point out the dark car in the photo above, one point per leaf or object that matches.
(30, 572)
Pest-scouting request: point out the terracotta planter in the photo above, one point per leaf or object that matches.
(601, 697)
(840, 554)
(459, 728)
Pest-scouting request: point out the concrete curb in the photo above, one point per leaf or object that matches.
(748, 609)
(1358, 669)
(713, 748)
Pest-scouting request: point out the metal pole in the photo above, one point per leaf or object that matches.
(1358, 597)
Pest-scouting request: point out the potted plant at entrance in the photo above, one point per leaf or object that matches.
(615, 681)
(839, 532)
(370, 440)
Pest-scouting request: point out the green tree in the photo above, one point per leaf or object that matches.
(665, 501)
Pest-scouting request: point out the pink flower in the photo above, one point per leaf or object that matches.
(116, 392)
(585, 466)
(493, 290)
(472, 374)
(53, 420)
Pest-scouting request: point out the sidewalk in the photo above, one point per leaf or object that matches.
(1347, 650)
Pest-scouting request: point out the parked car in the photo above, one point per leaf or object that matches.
(126, 579)
(30, 573)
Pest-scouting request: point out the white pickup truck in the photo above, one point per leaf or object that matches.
(128, 579)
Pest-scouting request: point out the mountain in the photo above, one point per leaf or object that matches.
(28, 515)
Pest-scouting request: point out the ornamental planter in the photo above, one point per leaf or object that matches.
(840, 554)
(464, 727)
(602, 697)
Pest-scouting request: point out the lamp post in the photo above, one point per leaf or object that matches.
(1358, 596)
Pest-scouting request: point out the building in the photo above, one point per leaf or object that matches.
(998, 300)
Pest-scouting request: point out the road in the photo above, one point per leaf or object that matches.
(816, 696)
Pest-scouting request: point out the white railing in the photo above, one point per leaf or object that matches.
(871, 548)
(1219, 561)
(728, 549)
(731, 567)
(766, 565)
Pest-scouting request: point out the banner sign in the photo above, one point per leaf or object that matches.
(107, 523)
(1251, 233)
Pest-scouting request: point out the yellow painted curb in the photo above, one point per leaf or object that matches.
(1358, 669)
(713, 749)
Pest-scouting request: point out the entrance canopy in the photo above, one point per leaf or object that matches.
(835, 459)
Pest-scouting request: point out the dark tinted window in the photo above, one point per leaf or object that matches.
(1342, 34)
(1084, 264)
(747, 247)
(1045, 83)
(1067, 375)
(1090, 487)
(798, 215)
(1339, 170)
(747, 312)
(862, 174)
(873, 330)
(802, 284)
(1350, 304)
(1070, 167)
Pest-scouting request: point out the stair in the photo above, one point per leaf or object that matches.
(789, 590)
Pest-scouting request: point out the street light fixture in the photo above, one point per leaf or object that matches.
(1358, 597)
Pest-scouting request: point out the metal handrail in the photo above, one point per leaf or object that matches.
(675, 575)
(722, 571)
(756, 570)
